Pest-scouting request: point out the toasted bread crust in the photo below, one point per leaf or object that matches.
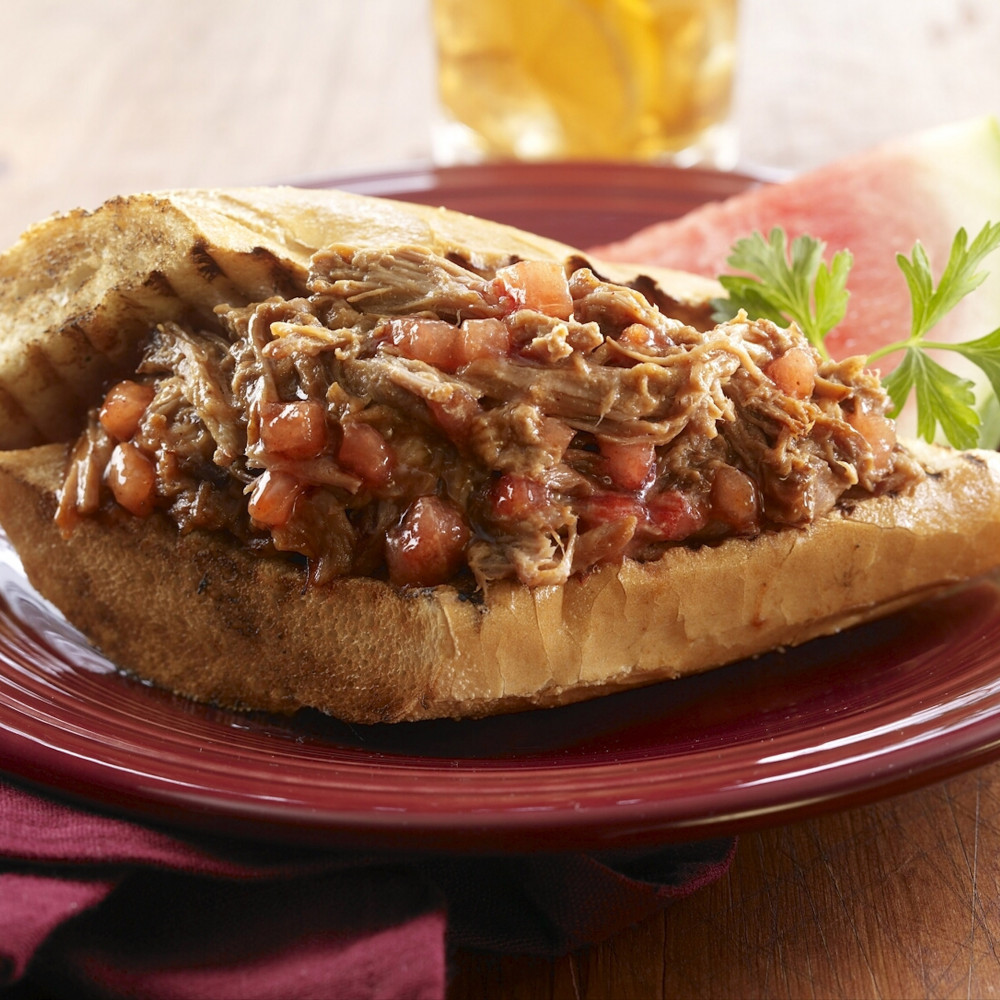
(205, 618)
(79, 292)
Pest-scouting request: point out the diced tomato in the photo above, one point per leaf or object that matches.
(123, 408)
(448, 347)
(880, 433)
(427, 547)
(481, 338)
(793, 372)
(453, 414)
(639, 337)
(296, 429)
(734, 498)
(273, 497)
(630, 465)
(538, 285)
(433, 341)
(606, 508)
(672, 516)
(131, 476)
(366, 453)
(516, 498)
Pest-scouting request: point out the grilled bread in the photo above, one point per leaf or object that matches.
(620, 493)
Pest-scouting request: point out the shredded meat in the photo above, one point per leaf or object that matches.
(553, 442)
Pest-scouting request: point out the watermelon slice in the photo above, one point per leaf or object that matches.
(922, 187)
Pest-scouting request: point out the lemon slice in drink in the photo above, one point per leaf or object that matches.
(547, 78)
(584, 65)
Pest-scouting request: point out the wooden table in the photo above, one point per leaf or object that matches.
(896, 899)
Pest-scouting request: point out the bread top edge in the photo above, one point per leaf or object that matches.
(79, 290)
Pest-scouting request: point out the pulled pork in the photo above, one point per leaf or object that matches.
(414, 419)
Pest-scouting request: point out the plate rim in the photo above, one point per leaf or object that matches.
(635, 823)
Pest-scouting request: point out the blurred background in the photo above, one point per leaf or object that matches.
(110, 96)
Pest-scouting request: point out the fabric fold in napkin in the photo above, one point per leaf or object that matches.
(97, 906)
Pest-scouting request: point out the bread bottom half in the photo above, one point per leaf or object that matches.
(200, 615)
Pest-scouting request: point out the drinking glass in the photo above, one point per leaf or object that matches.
(586, 79)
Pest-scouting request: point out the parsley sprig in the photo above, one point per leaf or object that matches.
(797, 286)
(803, 289)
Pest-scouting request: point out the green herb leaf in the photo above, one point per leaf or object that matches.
(989, 428)
(960, 277)
(786, 287)
(798, 286)
(831, 293)
(744, 294)
(985, 354)
(942, 398)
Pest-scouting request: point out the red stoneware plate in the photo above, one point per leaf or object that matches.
(877, 710)
(582, 204)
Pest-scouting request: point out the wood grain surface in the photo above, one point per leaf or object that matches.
(899, 899)
(895, 900)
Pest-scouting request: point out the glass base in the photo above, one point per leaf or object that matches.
(455, 144)
(718, 148)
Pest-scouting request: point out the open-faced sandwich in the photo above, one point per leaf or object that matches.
(274, 448)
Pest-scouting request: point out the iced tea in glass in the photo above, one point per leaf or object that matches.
(586, 79)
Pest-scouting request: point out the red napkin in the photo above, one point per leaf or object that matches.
(96, 906)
